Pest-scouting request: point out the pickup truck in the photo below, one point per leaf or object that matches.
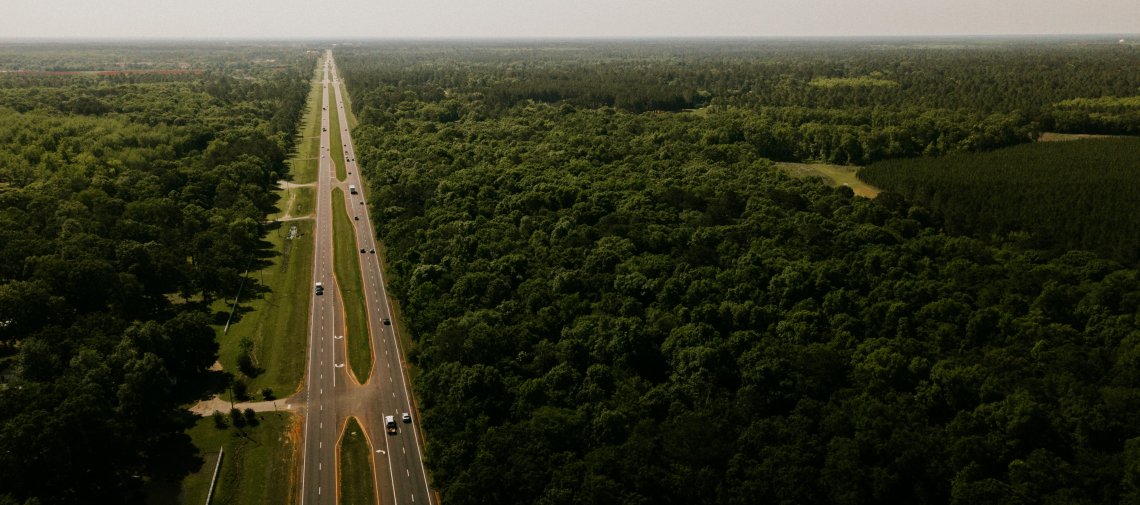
(390, 422)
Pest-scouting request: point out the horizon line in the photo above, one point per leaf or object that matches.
(500, 38)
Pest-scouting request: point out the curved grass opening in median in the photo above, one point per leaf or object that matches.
(346, 263)
(355, 454)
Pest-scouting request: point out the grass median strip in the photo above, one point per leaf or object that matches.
(356, 482)
(257, 463)
(336, 150)
(347, 266)
(347, 106)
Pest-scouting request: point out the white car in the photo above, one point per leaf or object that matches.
(407, 417)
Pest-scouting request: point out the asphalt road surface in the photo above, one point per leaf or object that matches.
(331, 393)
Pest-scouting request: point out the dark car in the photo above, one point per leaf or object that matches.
(387, 321)
(362, 251)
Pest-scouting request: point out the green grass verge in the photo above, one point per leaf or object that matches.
(336, 149)
(257, 465)
(347, 265)
(304, 165)
(834, 175)
(356, 482)
(275, 320)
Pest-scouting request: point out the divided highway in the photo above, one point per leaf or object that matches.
(331, 393)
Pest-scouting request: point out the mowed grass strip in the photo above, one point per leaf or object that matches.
(257, 465)
(347, 266)
(273, 313)
(833, 175)
(307, 159)
(356, 482)
(336, 149)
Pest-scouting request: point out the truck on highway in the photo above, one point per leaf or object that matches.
(390, 422)
(352, 188)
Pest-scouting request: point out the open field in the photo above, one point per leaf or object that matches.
(356, 480)
(347, 266)
(257, 465)
(833, 175)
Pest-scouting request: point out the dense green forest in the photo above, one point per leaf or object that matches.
(125, 206)
(614, 303)
(826, 101)
(1065, 195)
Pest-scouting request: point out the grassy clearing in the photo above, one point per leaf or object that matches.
(257, 466)
(833, 175)
(1064, 137)
(356, 481)
(347, 264)
(336, 149)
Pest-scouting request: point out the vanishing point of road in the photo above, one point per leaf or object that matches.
(331, 393)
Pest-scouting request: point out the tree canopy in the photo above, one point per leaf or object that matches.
(124, 207)
(615, 306)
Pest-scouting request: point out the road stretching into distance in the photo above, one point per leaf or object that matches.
(331, 394)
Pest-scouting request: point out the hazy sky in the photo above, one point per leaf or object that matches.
(558, 18)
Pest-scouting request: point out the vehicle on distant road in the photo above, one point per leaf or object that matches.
(387, 322)
(319, 289)
(390, 422)
(407, 417)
